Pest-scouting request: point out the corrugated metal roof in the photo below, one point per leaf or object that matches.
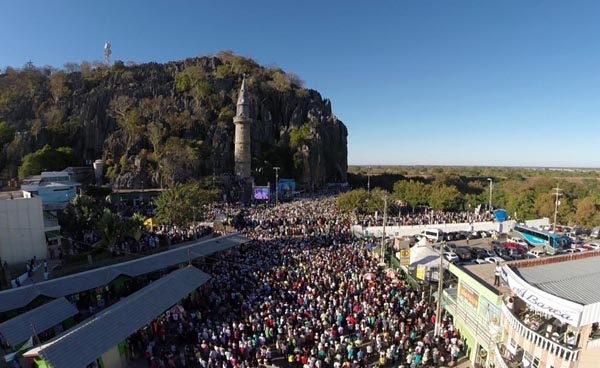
(84, 343)
(576, 280)
(18, 329)
(55, 288)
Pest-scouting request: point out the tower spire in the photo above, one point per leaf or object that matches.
(243, 97)
(242, 138)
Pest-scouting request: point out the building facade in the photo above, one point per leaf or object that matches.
(544, 315)
(475, 308)
(55, 188)
(22, 228)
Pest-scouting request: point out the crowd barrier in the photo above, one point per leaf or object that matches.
(408, 230)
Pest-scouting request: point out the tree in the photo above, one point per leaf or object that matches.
(444, 197)
(79, 214)
(7, 133)
(110, 227)
(179, 160)
(299, 135)
(47, 159)
(376, 200)
(586, 214)
(58, 86)
(353, 201)
(412, 192)
(134, 226)
(182, 203)
(544, 205)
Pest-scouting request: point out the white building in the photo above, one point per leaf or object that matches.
(54, 187)
(22, 228)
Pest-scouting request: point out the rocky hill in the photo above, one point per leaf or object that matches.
(159, 124)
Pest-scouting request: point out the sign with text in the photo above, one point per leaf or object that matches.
(404, 257)
(469, 295)
(565, 310)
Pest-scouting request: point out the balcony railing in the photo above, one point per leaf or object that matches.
(467, 317)
(553, 347)
(499, 359)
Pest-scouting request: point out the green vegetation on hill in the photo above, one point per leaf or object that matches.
(161, 124)
(524, 193)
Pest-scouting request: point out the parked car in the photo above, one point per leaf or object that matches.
(484, 234)
(479, 261)
(467, 235)
(591, 246)
(478, 253)
(490, 253)
(451, 257)
(499, 247)
(460, 235)
(494, 259)
(463, 254)
(515, 247)
(537, 252)
(573, 251)
(578, 231)
(519, 241)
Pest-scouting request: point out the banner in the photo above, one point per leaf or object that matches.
(469, 295)
(564, 310)
(421, 272)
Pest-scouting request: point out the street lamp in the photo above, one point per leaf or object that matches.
(276, 168)
(369, 180)
(491, 190)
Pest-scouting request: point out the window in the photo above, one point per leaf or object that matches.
(534, 362)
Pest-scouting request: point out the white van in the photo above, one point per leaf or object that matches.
(434, 235)
(595, 233)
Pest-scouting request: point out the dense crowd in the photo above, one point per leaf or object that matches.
(303, 293)
(427, 217)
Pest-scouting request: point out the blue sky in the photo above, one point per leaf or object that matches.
(442, 82)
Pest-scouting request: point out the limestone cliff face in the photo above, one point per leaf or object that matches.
(172, 122)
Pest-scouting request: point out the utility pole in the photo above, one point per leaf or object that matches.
(556, 204)
(438, 313)
(383, 235)
(276, 168)
(369, 182)
(491, 190)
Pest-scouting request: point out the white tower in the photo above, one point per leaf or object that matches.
(107, 52)
(242, 123)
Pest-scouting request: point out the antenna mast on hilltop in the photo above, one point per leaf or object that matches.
(556, 204)
(107, 52)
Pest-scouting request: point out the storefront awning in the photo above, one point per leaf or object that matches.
(86, 342)
(20, 328)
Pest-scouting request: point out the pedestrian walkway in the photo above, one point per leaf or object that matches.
(38, 273)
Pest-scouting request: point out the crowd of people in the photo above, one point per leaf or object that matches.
(302, 293)
(426, 217)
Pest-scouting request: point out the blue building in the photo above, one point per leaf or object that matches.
(54, 187)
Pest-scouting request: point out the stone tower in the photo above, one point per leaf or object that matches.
(242, 123)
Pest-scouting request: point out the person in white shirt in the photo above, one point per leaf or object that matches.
(497, 273)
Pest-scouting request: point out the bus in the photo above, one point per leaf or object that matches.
(552, 242)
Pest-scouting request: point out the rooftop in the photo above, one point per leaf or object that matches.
(11, 195)
(485, 272)
(575, 279)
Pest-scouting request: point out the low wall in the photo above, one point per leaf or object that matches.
(408, 230)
